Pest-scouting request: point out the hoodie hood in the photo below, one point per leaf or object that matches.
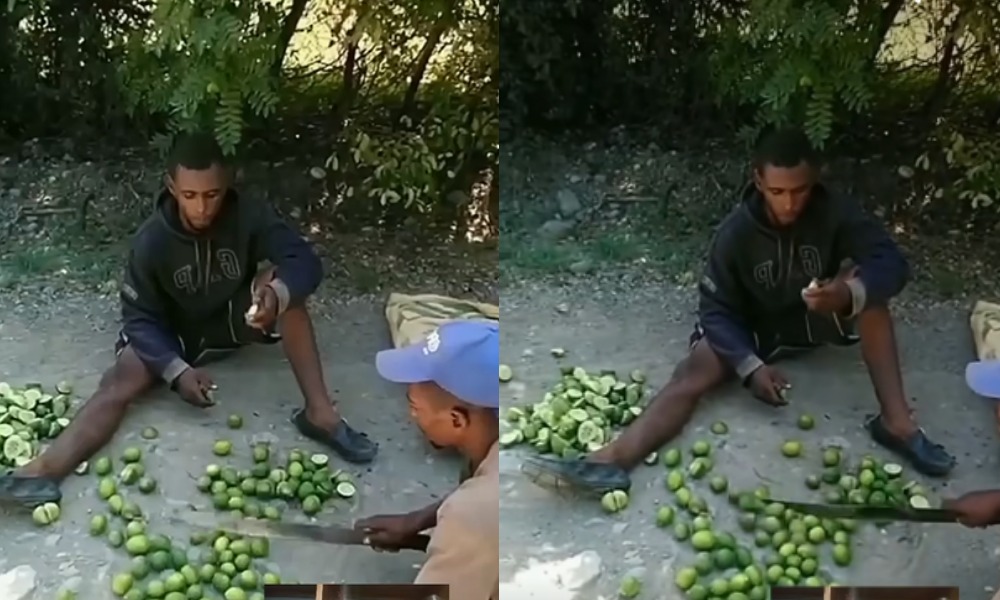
(168, 213)
(752, 205)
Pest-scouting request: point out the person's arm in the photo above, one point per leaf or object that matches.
(299, 270)
(882, 270)
(464, 559)
(144, 320)
(427, 517)
(720, 307)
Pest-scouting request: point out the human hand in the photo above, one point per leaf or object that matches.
(386, 533)
(195, 387)
(767, 384)
(828, 297)
(264, 311)
(976, 509)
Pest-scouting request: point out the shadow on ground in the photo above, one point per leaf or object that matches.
(566, 549)
(258, 385)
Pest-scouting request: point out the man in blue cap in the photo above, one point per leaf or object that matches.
(454, 397)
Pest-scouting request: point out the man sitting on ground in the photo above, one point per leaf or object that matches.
(774, 282)
(454, 397)
(192, 294)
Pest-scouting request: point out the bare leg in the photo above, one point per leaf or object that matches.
(98, 420)
(670, 410)
(299, 342)
(878, 348)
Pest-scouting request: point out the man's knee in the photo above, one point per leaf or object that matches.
(700, 371)
(124, 381)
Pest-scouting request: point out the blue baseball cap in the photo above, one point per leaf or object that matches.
(462, 357)
(983, 377)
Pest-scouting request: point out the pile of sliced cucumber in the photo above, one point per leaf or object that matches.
(579, 414)
(29, 416)
(306, 481)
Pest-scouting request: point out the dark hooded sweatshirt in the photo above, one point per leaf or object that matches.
(176, 282)
(756, 272)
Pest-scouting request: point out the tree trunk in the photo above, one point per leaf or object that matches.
(886, 19)
(423, 60)
(288, 29)
(946, 70)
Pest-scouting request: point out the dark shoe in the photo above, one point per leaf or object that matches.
(927, 457)
(28, 492)
(352, 445)
(583, 476)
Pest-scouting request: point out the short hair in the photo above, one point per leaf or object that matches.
(786, 148)
(197, 151)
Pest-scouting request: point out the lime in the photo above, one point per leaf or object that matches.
(725, 540)
(248, 580)
(724, 558)
(235, 593)
(701, 523)
(791, 449)
(116, 538)
(160, 560)
(739, 583)
(103, 466)
(675, 480)
(831, 457)
(703, 540)
(747, 521)
(770, 524)
(697, 592)
(817, 535)
(701, 448)
(630, 587)
(842, 554)
(703, 563)
(720, 428)
(220, 581)
(121, 584)
(147, 485)
(222, 448)
(140, 568)
(683, 497)
(686, 578)
(719, 484)
(242, 562)
(813, 482)
(150, 433)
(682, 532)
(106, 488)
(175, 583)
(612, 502)
(234, 421)
(261, 453)
(809, 566)
(137, 545)
(98, 525)
(156, 589)
(206, 573)
(132, 455)
(719, 587)
(806, 422)
(774, 574)
(664, 516)
(793, 573)
(744, 557)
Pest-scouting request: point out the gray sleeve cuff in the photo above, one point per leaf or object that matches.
(859, 296)
(174, 370)
(281, 291)
(747, 366)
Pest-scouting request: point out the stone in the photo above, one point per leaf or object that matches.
(555, 229)
(17, 583)
(569, 204)
(580, 570)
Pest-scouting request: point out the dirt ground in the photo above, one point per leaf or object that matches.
(564, 549)
(75, 344)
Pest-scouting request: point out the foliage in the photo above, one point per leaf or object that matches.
(200, 63)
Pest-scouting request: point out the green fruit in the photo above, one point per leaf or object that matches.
(147, 485)
(116, 538)
(720, 428)
(686, 578)
(261, 453)
(132, 455)
(121, 584)
(672, 458)
(813, 482)
(235, 593)
(682, 531)
(747, 521)
(46, 514)
(234, 421)
(612, 502)
(220, 581)
(806, 422)
(703, 563)
(222, 448)
(150, 433)
(630, 587)
(103, 466)
(703, 540)
(792, 449)
(137, 545)
(140, 568)
(701, 523)
(842, 555)
(160, 560)
(675, 480)
(719, 587)
(831, 457)
(106, 488)
(664, 516)
(701, 448)
(719, 484)
(98, 525)
(156, 589)
(724, 558)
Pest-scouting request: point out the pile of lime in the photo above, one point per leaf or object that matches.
(28, 416)
(578, 415)
(161, 568)
(783, 547)
(304, 480)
